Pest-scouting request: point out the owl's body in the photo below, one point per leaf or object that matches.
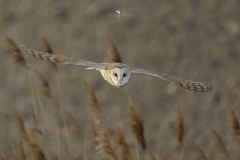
(118, 74)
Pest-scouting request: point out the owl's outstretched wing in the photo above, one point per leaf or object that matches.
(64, 60)
(188, 84)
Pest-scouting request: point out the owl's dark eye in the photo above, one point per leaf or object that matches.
(115, 74)
(124, 75)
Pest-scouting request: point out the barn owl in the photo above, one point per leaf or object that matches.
(118, 74)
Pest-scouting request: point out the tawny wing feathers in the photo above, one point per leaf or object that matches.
(188, 84)
(63, 59)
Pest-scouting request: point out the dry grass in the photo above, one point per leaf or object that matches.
(124, 150)
(166, 157)
(34, 147)
(44, 83)
(137, 127)
(149, 155)
(77, 128)
(138, 131)
(22, 151)
(102, 139)
(36, 150)
(39, 151)
(93, 99)
(48, 49)
(16, 57)
(94, 131)
(234, 124)
(198, 152)
(219, 147)
(180, 127)
(10, 149)
(37, 125)
(22, 131)
(113, 54)
(103, 142)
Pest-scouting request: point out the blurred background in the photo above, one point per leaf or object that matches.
(197, 40)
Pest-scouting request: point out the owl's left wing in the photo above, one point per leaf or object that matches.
(188, 84)
(64, 60)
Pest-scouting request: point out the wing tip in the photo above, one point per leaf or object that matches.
(22, 46)
(210, 87)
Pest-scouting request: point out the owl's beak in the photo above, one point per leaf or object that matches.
(120, 81)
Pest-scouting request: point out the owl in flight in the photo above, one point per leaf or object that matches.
(118, 74)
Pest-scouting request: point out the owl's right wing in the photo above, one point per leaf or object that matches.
(188, 84)
(64, 60)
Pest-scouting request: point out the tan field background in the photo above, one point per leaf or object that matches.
(197, 40)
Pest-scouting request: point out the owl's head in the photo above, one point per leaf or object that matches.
(120, 76)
